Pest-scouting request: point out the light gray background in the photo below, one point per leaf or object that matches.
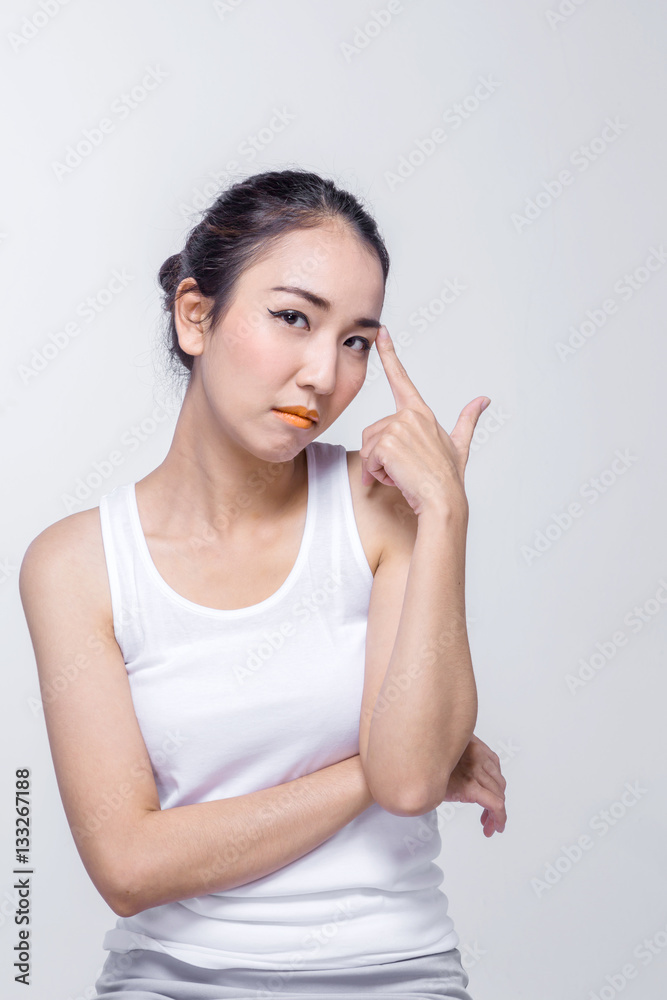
(553, 429)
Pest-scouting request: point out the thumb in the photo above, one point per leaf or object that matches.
(467, 422)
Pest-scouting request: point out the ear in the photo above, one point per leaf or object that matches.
(190, 307)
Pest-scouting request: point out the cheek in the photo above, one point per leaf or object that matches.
(251, 367)
(350, 384)
(358, 377)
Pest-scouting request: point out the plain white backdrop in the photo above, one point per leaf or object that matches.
(514, 157)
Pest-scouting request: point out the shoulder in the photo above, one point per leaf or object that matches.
(67, 539)
(383, 512)
(67, 560)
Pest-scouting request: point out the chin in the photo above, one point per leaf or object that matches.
(271, 449)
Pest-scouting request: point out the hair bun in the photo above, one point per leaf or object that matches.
(169, 273)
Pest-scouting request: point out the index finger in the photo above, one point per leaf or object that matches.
(404, 390)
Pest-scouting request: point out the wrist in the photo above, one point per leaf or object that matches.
(445, 514)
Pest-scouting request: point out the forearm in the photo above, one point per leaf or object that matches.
(192, 850)
(415, 740)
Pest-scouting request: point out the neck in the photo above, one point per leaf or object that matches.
(209, 477)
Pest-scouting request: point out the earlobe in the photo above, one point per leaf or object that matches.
(190, 336)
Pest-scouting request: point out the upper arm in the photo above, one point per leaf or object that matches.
(399, 528)
(102, 767)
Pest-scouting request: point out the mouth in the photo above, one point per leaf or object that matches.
(298, 416)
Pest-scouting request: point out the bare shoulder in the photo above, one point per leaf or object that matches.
(67, 558)
(387, 523)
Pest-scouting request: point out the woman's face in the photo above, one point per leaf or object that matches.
(276, 348)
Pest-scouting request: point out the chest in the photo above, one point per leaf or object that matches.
(253, 564)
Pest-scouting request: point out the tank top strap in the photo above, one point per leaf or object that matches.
(337, 550)
(123, 568)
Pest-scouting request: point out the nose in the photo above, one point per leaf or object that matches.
(318, 370)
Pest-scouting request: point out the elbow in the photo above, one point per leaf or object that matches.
(131, 891)
(124, 904)
(134, 872)
(126, 901)
(408, 799)
(118, 908)
(125, 890)
(417, 802)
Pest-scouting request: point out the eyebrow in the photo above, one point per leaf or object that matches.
(323, 303)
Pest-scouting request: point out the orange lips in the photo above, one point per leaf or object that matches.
(298, 416)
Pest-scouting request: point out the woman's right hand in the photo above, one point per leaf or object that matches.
(477, 778)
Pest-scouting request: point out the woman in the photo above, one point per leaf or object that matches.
(280, 691)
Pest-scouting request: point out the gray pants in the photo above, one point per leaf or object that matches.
(152, 975)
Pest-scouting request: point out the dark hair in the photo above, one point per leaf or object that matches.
(241, 224)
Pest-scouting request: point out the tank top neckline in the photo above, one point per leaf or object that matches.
(228, 613)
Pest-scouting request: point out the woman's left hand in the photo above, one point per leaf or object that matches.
(409, 449)
(477, 778)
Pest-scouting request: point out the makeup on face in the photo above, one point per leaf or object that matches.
(297, 416)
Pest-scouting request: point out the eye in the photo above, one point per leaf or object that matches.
(365, 344)
(288, 314)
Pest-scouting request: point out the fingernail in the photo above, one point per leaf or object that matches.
(486, 403)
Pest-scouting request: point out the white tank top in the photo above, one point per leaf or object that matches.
(232, 701)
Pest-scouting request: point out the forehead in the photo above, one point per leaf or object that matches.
(329, 260)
